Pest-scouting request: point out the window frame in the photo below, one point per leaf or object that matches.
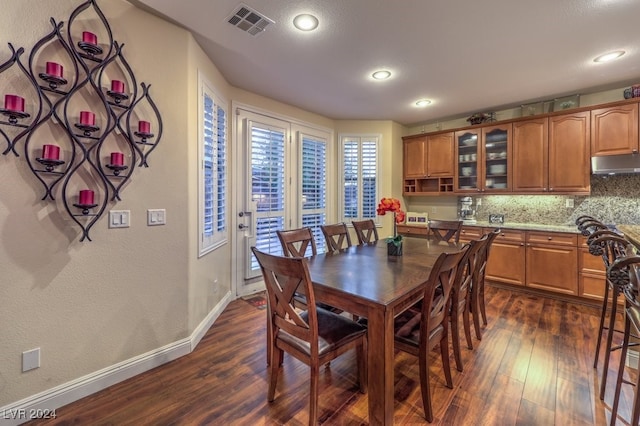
(219, 236)
(361, 138)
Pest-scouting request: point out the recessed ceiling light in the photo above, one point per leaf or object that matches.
(423, 102)
(381, 75)
(305, 22)
(609, 56)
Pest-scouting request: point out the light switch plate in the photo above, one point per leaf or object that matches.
(30, 359)
(119, 218)
(156, 217)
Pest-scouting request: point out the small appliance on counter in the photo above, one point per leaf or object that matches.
(466, 212)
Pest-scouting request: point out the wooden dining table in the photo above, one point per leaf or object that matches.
(365, 281)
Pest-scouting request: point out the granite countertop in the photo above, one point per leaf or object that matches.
(573, 229)
(631, 233)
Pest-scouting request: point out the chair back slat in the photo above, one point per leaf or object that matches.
(336, 236)
(296, 241)
(366, 231)
(445, 230)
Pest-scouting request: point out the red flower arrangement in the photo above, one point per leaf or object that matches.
(392, 205)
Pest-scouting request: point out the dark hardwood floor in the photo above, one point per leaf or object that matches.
(534, 366)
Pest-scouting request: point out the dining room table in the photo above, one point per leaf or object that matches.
(365, 281)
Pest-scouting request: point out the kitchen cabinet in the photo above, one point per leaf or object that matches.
(468, 233)
(552, 154)
(412, 231)
(483, 159)
(591, 272)
(570, 153)
(614, 130)
(552, 262)
(428, 164)
(507, 257)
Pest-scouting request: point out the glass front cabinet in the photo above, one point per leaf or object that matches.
(483, 159)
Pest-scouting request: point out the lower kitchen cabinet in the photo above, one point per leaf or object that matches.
(552, 262)
(591, 273)
(507, 257)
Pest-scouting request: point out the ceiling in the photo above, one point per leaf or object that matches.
(465, 56)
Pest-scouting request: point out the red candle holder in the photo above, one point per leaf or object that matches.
(13, 103)
(144, 127)
(89, 37)
(50, 157)
(85, 197)
(117, 86)
(117, 163)
(87, 118)
(54, 69)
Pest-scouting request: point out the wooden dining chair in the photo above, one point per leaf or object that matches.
(336, 236)
(445, 230)
(314, 336)
(296, 242)
(478, 307)
(417, 333)
(365, 231)
(461, 295)
(611, 247)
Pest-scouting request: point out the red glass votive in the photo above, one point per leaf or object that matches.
(89, 37)
(54, 69)
(14, 103)
(51, 152)
(117, 159)
(117, 86)
(87, 118)
(144, 127)
(85, 197)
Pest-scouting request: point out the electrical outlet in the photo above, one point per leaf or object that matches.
(30, 359)
(479, 202)
(569, 203)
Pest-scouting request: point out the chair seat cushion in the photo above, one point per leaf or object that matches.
(407, 324)
(333, 330)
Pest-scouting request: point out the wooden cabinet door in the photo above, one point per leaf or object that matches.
(530, 155)
(440, 155)
(415, 157)
(468, 162)
(614, 130)
(570, 153)
(553, 267)
(507, 257)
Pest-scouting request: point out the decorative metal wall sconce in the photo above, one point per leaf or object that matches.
(101, 155)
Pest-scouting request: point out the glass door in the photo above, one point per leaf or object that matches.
(497, 150)
(468, 166)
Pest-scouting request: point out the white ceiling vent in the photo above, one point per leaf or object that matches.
(249, 20)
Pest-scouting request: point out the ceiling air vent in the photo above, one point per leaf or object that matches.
(249, 20)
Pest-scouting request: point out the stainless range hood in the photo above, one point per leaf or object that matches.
(615, 164)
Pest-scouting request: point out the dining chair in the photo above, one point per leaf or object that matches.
(336, 236)
(623, 273)
(611, 247)
(478, 307)
(314, 336)
(461, 295)
(296, 242)
(419, 332)
(445, 230)
(365, 230)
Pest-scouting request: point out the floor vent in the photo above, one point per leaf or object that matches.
(249, 20)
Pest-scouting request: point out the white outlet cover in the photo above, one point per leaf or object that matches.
(119, 218)
(30, 359)
(156, 217)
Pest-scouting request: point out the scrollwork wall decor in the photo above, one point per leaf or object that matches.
(89, 103)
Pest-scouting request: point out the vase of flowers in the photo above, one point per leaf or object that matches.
(394, 242)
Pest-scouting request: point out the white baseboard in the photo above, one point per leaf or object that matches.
(48, 401)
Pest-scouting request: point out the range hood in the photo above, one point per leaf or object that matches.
(615, 164)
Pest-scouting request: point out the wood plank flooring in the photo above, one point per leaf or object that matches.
(533, 366)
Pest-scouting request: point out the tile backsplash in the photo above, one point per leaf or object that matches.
(613, 199)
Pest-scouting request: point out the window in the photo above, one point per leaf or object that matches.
(359, 167)
(212, 153)
(314, 186)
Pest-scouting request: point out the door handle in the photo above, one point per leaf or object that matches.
(242, 227)
(242, 214)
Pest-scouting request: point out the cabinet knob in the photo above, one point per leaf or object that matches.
(550, 189)
(522, 244)
(549, 238)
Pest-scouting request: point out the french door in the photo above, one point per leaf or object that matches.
(282, 184)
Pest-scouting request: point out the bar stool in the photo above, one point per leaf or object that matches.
(611, 247)
(624, 274)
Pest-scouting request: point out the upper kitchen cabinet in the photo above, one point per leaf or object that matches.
(530, 155)
(551, 154)
(569, 153)
(428, 164)
(483, 156)
(614, 130)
